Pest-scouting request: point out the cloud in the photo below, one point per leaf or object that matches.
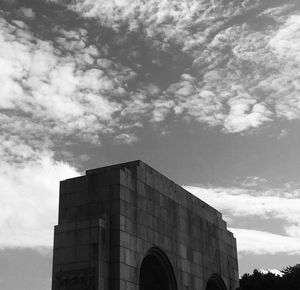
(29, 200)
(285, 40)
(283, 134)
(244, 114)
(273, 271)
(51, 89)
(192, 101)
(126, 138)
(136, 106)
(258, 242)
(245, 202)
(200, 30)
(225, 65)
(27, 12)
(278, 12)
(252, 181)
(162, 109)
(166, 21)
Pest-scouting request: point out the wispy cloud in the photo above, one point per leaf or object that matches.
(126, 138)
(244, 56)
(252, 181)
(240, 71)
(66, 97)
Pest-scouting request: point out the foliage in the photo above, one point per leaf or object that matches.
(291, 277)
(290, 280)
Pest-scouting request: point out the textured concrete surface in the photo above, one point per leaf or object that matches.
(111, 217)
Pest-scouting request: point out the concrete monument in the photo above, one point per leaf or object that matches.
(127, 226)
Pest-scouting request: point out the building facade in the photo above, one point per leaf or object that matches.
(127, 226)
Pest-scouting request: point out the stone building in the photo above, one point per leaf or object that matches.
(127, 226)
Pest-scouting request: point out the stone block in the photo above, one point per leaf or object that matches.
(198, 283)
(125, 271)
(82, 236)
(82, 253)
(125, 239)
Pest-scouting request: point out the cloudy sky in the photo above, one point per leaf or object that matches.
(205, 91)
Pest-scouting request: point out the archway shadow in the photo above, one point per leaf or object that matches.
(156, 272)
(215, 282)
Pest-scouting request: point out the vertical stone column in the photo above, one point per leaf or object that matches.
(103, 251)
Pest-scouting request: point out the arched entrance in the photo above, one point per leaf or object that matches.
(156, 272)
(215, 282)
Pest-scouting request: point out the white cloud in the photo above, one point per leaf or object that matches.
(54, 90)
(29, 200)
(245, 113)
(192, 101)
(261, 243)
(285, 42)
(29, 182)
(273, 271)
(252, 181)
(161, 109)
(244, 74)
(27, 12)
(164, 20)
(246, 202)
(234, 85)
(277, 12)
(136, 107)
(126, 138)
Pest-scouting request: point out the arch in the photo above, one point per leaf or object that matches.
(156, 272)
(215, 282)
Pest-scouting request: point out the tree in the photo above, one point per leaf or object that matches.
(291, 277)
(260, 281)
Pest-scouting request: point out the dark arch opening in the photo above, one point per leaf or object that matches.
(156, 272)
(215, 282)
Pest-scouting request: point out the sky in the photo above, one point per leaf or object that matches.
(205, 91)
